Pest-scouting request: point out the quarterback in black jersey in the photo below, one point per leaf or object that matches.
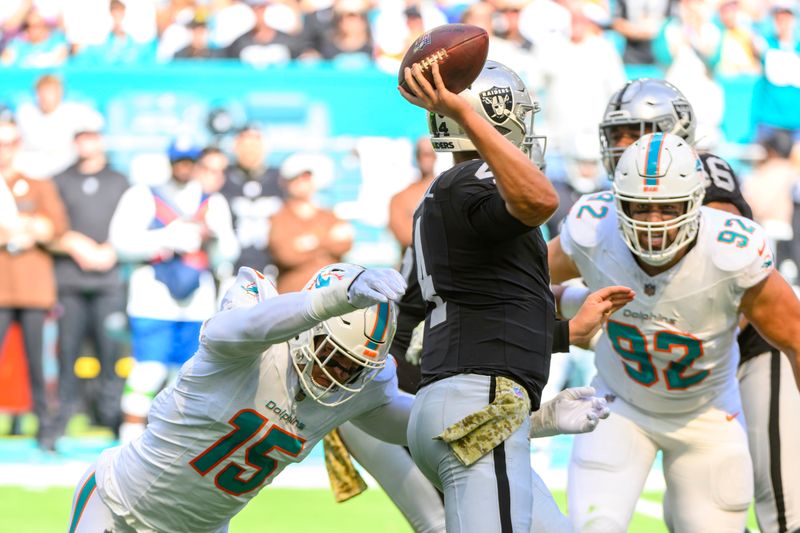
(490, 316)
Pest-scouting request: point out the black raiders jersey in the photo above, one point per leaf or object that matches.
(484, 276)
(723, 186)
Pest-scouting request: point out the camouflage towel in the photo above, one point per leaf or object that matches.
(345, 480)
(479, 433)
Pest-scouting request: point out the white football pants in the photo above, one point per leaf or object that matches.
(706, 464)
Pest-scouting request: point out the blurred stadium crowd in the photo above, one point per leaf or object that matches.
(131, 240)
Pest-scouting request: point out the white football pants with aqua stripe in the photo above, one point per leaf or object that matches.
(89, 513)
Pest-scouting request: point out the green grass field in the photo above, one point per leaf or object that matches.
(273, 511)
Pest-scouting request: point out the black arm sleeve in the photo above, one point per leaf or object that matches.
(561, 337)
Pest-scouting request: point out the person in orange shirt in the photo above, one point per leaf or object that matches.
(402, 204)
(304, 237)
(32, 216)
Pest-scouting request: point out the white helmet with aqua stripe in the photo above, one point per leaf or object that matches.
(338, 357)
(659, 168)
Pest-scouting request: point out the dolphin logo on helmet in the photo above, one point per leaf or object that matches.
(360, 339)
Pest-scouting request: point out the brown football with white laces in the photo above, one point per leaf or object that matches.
(459, 49)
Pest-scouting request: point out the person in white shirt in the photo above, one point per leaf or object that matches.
(178, 236)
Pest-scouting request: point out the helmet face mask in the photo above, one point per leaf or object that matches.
(661, 171)
(500, 97)
(643, 106)
(338, 357)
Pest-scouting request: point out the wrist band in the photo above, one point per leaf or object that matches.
(327, 302)
(571, 301)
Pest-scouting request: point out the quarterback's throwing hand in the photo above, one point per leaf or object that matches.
(571, 411)
(376, 285)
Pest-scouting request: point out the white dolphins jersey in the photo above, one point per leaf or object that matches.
(230, 423)
(672, 349)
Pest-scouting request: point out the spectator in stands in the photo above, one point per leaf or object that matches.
(567, 65)
(229, 20)
(12, 18)
(176, 235)
(304, 237)
(210, 169)
(768, 189)
(508, 23)
(173, 20)
(397, 25)
(688, 46)
(403, 204)
(198, 47)
(90, 287)
(37, 46)
(254, 195)
(778, 92)
(639, 22)
(119, 47)
(265, 45)
(350, 37)
(689, 36)
(541, 21)
(32, 217)
(738, 51)
(317, 22)
(514, 55)
(174, 10)
(48, 129)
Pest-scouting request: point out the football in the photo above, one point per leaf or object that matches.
(460, 50)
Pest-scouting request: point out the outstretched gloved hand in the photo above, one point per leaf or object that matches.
(376, 285)
(575, 410)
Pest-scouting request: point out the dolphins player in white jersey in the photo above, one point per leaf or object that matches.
(667, 362)
(253, 399)
(769, 396)
(273, 374)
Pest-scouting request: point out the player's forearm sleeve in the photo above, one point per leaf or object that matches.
(278, 319)
(561, 337)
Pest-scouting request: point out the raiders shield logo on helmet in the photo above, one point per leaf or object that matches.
(497, 103)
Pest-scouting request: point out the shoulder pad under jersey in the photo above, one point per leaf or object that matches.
(590, 218)
(737, 245)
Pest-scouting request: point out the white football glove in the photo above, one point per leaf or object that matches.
(414, 350)
(376, 285)
(575, 410)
